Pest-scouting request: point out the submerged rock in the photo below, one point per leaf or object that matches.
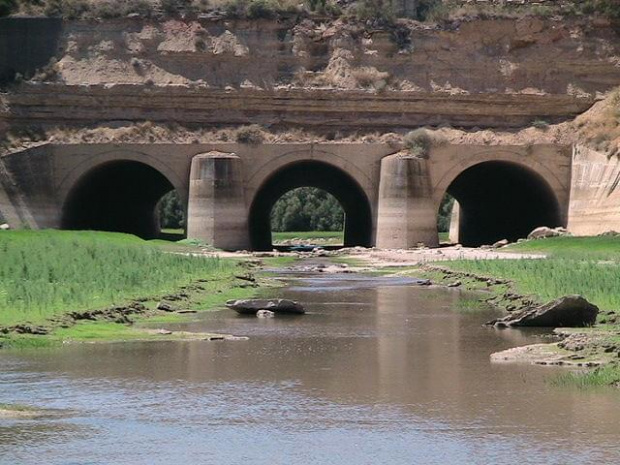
(569, 312)
(265, 314)
(252, 306)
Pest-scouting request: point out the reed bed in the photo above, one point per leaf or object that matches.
(46, 273)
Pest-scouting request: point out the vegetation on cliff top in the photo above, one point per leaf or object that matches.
(375, 11)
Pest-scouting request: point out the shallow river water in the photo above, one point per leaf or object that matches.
(378, 371)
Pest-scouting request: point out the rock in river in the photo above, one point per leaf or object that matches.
(568, 311)
(265, 314)
(251, 306)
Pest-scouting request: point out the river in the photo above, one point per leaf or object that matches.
(377, 371)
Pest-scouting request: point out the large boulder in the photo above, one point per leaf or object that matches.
(251, 306)
(568, 311)
(543, 232)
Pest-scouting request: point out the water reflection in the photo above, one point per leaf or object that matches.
(375, 371)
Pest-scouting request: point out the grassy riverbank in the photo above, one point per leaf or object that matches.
(46, 275)
(589, 266)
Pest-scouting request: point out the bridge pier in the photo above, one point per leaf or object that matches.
(407, 214)
(216, 212)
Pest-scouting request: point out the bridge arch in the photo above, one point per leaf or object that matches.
(502, 154)
(311, 173)
(502, 199)
(119, 195)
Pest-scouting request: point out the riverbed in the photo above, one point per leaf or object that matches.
(379, 370)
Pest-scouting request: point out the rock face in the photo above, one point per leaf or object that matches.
(227, 71)
(543, 232)
(568, 311)
(252, 306)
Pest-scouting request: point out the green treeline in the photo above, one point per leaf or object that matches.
(307, 209)
(444, 214)
(171, 211)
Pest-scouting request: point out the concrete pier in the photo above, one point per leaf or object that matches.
(406, 211)
(216, 212)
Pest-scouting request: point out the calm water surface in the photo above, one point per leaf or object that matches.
(378, 371)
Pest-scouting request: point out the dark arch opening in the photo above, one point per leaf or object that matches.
(358, 218)
(501, 200)
(119, 196)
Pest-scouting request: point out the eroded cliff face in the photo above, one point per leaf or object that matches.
(524, 56)
(329, 78)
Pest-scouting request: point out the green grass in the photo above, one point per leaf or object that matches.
(46, 273)
(575, 248)
(607, 375)
(277, 262)
(318, 237)
(589, 266)
(179, 231)
(554, 277)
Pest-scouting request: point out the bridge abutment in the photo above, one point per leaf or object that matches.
(407, 214)
(216, 212)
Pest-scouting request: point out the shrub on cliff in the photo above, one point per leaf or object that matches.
(258, 9)
(264, 9)
(418, 143)
(7, 7)
(253, 135)
(607, 8)
(428, 9)
(376, 11)
(176, 7)
(108, 9)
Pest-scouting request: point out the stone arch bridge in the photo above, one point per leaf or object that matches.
(391, 199)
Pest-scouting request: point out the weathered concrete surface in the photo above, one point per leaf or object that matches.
(595, 193)
(216, 205)
(45, 177)
(407, 212)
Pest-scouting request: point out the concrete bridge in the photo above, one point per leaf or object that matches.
(390, 199)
